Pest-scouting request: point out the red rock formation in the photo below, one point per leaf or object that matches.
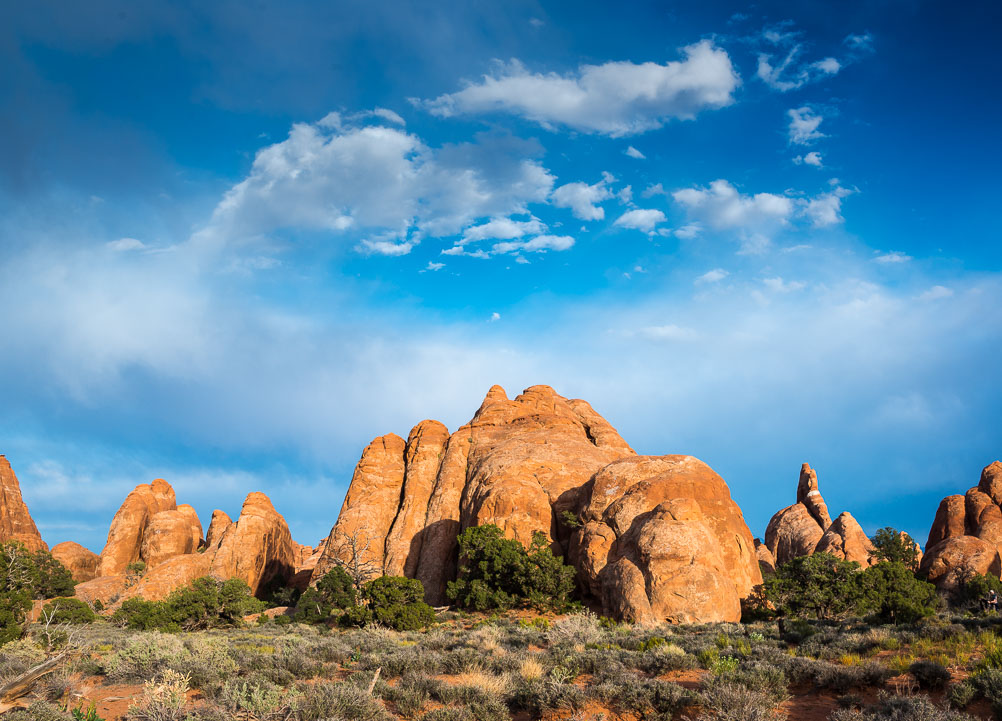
(991, 482)
(125, 537)
(792, 532)
(845, 539)
(218, 526)
(15, 521)
(168, 534)
(950, 520)
(258, 548)
(809, 495)
(80, 562)
(949, 562)
(766, 562)
(663, 540)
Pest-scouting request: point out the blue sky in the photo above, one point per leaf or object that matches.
(239, 240)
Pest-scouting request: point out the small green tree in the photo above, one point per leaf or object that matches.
(25, 576)
(892, 593)
(896, 546)
(820, 586)
(204, 603)
(335, 591)
(398, 602)
(975, 589)
(68, 610)
(498, 572)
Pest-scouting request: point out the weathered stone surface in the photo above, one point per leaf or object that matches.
(218, 526)
(170, 575)
(949, 562)
(671, 520)
(809, 494)
(125, 537)
(369, 507)
(976, 505)
(991, 482)
(422, 460)
(950, 520)
(792, 532)
(80, 562)
(766, 562)
(846, 539)
(194, 525)
(258, 548)
(16, 523)
(168, 534)
(106, 589)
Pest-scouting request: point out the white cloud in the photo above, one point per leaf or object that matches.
(625, 195)
(721, 206)
(125, 244)
(641, 219)
(712, 276)
(634, 153)
(803, 128)
(495, 317)
(583, 199)
(539, 244)
(829, 66)
(937, 292)
(790, 72)
(862, 42)
(689, 231)
(377, 182)
(894, 257)
(811, 158)
(670, 332)
(616, 98)
(434, 266)
(651, 190)
(502, 229)
(826, 208)
(778, 285)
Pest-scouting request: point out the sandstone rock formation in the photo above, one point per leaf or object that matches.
(792, 532)
(766, 562)
(125, 537)
(518, 463)
(80, 562)
(662, 540)
(218, 526)
(168, 534)
(966, 535)
(15, 521)
(258, 548)
(845, 539)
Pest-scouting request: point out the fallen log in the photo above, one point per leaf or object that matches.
(20, 686)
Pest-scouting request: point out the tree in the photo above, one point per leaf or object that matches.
(819, 585)
(398, 602)
(350, 551)
(204, 603)
(892, 593)
(498, 572)
(897, 547)
(25, 576)
(335, 591)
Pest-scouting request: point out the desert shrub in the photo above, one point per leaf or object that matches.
(147, 655)
(25, 576)
(209, 662)
(762, 678)
(895, 547)
(988, 683)
(398, 602)
(644, 697)
(498, 572)
(961, 694)
(892, 593)
(816, 586)
(204, 603)
(900, 708)
(333, 592)
(343, 701)
(17, 657)
(163, 699)
(257, 700)
(975, 589)
(577, 628)
(727, 701)
(664, 658)
(39, 711)
(68, 610)
(929, 675)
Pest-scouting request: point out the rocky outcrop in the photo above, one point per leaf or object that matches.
(81, 563)
(662, 540)
(258, 548)
(168, 534)
(810, 496)
(796, 530)
(845, 539)
(16, 523)
(966, 535)
(518, 464)
(218, 526)
(766, 562)
(125, 537)
(949, 563)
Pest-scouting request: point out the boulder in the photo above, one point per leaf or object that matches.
(991, 482)
(663, 541)
(766, 562)
(16, 523)
(80, 562)
(168, 534)
(950, 520)
(845, 539)
(792, 532)
(165, 578)
(809, 495)
(194, 525)
(106, 589)
(258, 548)
(218, 526)
(948, 563)
(125, 536)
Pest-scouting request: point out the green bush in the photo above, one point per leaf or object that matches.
(25, 576)
(205, 603)
(398, 602)
(68, 610)
(896, 547)
(819, 586)
(975, 589)
(498, 572)
(894, 595)
(929, 674)
(333, 592)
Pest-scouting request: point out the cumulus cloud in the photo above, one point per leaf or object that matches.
(377, 182)
(778, 285)
(722, 206)
(502, 229)
(689, 231)
(634, 153)
(583, 199)
(811, 158)
(803, 128)
(826, 208)
(615, 98)
(539, 244)
(125, 244)
(644, 219)
(712, 276)
(894, 257)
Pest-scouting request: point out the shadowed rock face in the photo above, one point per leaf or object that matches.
(966, 532)
(662, 538)
(125, 537)
(16, 523)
